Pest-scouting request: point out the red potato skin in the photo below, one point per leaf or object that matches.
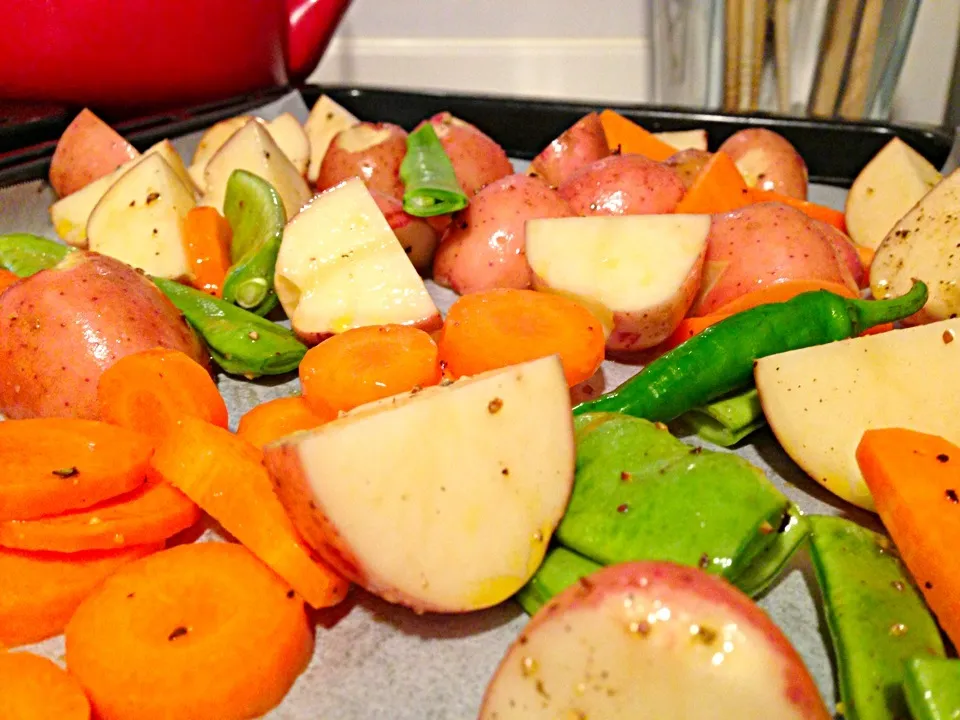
(623, 185)
(61, 328)
(688, 164)
(768, 161)
(485, 246)
(846, 253)
(418, 237)
(582, 144)
(763, 244)
(87, 150)
(378, 166)
(477, 159)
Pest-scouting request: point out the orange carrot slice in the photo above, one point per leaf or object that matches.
(225, 476)
(7, 279)
(366, 364)
(278, 418)
(197, 631)
(152, 391)
(718, 188)
(817, 212)
(35, 688)
(40, 591)
(866, 255)
(51, 465)
(148, 515)
(206, 240)
(915, 482)
(488, 330)
(630, 138)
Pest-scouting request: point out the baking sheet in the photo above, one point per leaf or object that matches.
(374, 660)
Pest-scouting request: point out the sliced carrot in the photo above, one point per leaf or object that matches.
(152, 391)
(718, 188)
(197, 631)
(35, 688)
(51, 465)
(39, 591)
(488, 330)
(278, 418)
(817, 212)
(630, 138)
(915, 482)
(206, 241)
(225, 476)
(150, 514)
(7, 279)
(366, 364)
(866, 255)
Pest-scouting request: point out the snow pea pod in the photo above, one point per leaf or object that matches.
(932, 687)
(876, 617)
(725, 421)
(240, 342)
(24, 254)
(430, 184)
(560, 569)
(256, 215)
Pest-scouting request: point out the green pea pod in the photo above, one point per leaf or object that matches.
(932, 687)
(726, 421)
(560, 569)
(641, 494)
(720, 359)
(757, 577)
(430, 184)
(24, 254)
(256, 215)
(239, 341)
(876, 617)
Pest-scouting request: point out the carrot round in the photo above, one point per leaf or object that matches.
(206, 241)
(366, 364)
(7, 279)
(718, 188)
(147, 515)
(817, 212)
(195, 632)
(278, 418)
(488, 330)
(153, 390)
(225, 476)
(915, 482)
(51, 465)
(35, 688)
(629, 138)
(40, 591)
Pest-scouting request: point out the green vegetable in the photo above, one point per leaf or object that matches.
(641, 494)
(757, 577)
(431, 186)
(876, 617)
(256, 216)
(25, 255)
(932, 687)
(726, 421)
(560, 569)
(720, 359)
(239, 341)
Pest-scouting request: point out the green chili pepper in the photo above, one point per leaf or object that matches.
(876, 617)
(239, 341)
(256, 215)
(24, 254)
(932, 687)
(726, 421)
(431, 186)
(560, 569)
(720, 359)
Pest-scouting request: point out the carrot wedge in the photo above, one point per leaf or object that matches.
(40, 591)
(36, 688)
(7, 279)
(915, 482)
(195, 632)
(51, 465)
(629, 138)
(274, 419)
(225, 476)
(206, 240)
(817, 212)
(718, 188)
(150, 514)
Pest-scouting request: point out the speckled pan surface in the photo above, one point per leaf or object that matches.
(374, 660)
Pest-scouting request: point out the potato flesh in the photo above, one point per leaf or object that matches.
(925, 245)
(340, 266)
(820, 400)
(446, 499)
(327, 119)
(287, 132)
(684, 139)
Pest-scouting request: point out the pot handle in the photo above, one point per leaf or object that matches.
(312, 24)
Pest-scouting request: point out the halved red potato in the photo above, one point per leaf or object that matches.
(477, 159)
(688, 164)
(485, 246)
(87, 150)
(846, 252)
(768, 161)
(417, 236)
(578, 145)
(370, 151)
(623, 185)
